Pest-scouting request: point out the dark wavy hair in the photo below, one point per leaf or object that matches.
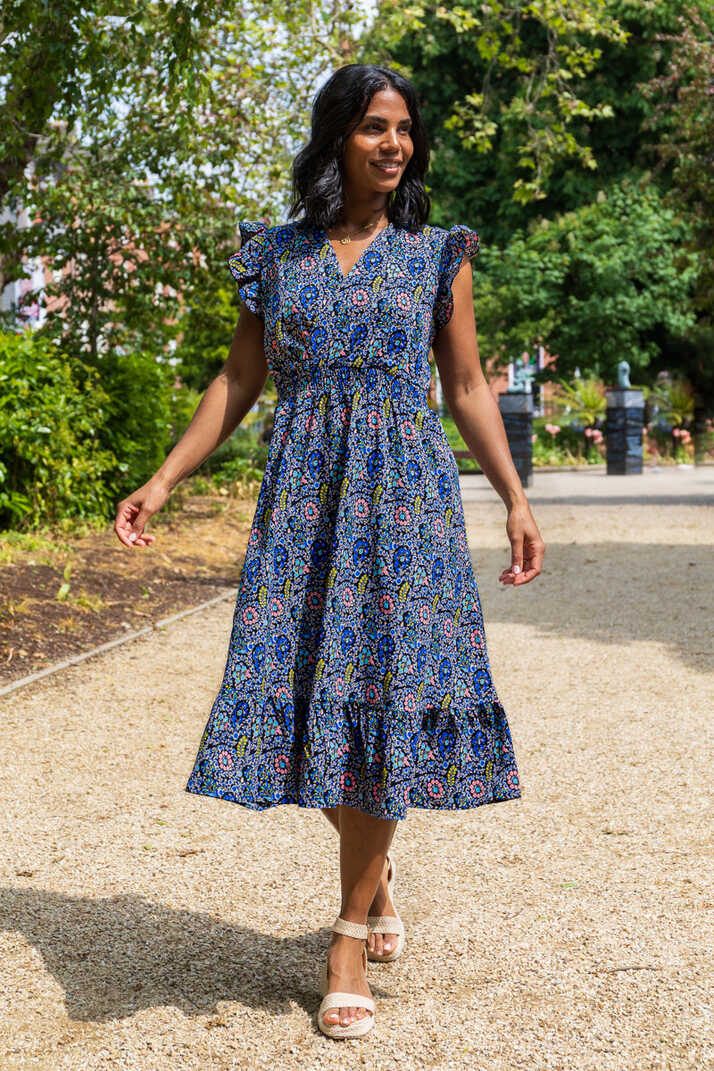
(337, 109)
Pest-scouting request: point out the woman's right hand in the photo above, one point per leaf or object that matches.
(134, 511)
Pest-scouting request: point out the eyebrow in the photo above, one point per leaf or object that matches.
(381, 119)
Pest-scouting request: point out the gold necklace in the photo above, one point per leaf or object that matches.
(348, 238)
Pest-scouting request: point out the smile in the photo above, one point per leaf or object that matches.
(389, 169)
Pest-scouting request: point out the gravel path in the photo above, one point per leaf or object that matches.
(145, 929)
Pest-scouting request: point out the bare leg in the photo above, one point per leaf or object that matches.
(364, 843)
(381, 943)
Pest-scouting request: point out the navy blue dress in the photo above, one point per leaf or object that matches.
(357, 669)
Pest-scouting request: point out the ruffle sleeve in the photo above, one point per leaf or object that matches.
(460, 242)
(246, 266)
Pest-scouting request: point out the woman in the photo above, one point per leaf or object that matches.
(357, 677)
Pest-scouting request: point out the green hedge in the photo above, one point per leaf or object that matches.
(75, 439)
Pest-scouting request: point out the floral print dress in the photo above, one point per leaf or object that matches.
(357, 669)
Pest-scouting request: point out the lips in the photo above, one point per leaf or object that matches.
(389, 167)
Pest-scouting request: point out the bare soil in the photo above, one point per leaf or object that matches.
(198, 553)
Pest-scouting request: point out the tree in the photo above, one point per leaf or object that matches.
(683, 131)
(133, 184)
(539, 92)
(684, 121)
(593, 286)
(503, 91)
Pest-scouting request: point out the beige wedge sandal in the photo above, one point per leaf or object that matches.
(346, 1000)
(387, 923)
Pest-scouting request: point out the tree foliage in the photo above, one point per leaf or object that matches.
(684, 123)
(544, 94)
(593, 286)
(505, 89)
(164, 125)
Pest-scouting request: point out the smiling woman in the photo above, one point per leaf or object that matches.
(357, 678)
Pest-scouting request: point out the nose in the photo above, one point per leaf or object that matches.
(390, 141)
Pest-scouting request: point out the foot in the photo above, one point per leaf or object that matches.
(382, 943)
(345, 974)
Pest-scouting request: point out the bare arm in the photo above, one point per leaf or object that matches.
(222, 407)
(478, 418)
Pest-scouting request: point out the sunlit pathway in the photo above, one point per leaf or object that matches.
(145, 929)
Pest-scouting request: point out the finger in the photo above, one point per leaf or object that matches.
(526, 576)
(531, 569)
(137, 528)
(123, 532)
(122, 523)
(537, 555)
(532, 565)
(126, 512)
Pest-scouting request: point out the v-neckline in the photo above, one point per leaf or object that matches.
(343, 277)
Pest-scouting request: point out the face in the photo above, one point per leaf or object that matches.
(380, 147)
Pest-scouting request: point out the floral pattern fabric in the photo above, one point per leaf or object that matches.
(357, 670)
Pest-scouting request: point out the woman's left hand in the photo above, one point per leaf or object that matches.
(527, 547)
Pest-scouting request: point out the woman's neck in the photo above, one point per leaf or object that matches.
(363, 215)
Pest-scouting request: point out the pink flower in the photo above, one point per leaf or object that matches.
(386, 604)
(534, 438)
(552, 428)
(371, 693)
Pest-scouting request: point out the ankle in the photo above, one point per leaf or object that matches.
(356, 915)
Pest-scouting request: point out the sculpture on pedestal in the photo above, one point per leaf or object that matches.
(522, 376)
(623, 374)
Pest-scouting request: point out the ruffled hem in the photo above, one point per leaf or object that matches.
(378, 759)
(461, 241)
(246, 266)
(336, 800)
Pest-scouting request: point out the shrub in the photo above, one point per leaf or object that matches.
(138, 418)
(53, 460)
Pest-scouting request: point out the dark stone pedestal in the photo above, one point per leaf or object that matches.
(517, 413)
(623, 430)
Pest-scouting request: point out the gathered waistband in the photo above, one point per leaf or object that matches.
(301, 378)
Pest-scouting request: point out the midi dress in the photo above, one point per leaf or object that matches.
(357, 670)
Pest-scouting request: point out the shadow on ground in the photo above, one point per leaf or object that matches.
(615, 593)
(116, 956)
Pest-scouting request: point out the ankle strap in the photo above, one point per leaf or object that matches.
(350, 929)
